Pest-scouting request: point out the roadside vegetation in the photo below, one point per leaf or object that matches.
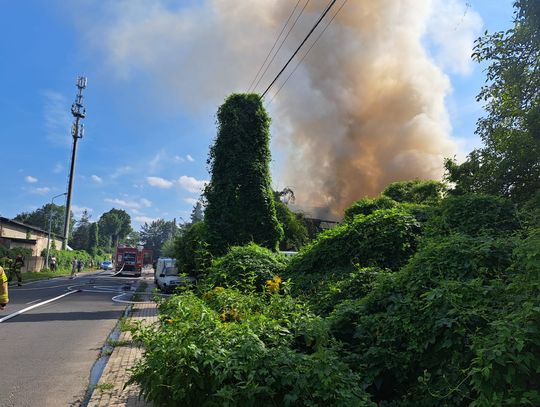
(426, 295)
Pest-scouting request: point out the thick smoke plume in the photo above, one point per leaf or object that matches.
(365, 108)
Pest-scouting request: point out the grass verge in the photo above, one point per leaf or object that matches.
(43, 275)
(140, 290)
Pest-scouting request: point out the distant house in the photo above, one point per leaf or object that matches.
(17, 234)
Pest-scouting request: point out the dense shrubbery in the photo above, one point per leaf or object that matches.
(419, 322)
(295, 231)
(353, 285)
(240, 206)
(474, 215)
(234, 349)
(453, 325)
(504, 369)
(385, 239)
(64, 258)
(191, 250)
(367, 206)
(416, 191)
(529, 212)
(246, 267)
(420, 300)
(440, 330)
(12, 253)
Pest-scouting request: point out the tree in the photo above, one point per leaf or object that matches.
(40, 218)
(416, 191)
(115, 225)
(295, 232)
(366, 206)
(191, 250)
(132, 239)
(81, 233)
(197, 213)
(168, 248)
(240, 205)
(104, 241)
(509, 162)
(93, 238)
(156, 233)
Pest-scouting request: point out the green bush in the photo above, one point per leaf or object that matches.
(385, 239)
(416, 191)
(64, 258)
(473, 215)
(204, 355)
(11, 254)
(246, 267)
(240, 206)
(191, 251)
(353, 285)
(366, 206)
(295, 232)
(529, 212)
(504, 370)
(410, 337)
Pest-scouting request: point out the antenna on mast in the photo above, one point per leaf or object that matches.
(77, 131)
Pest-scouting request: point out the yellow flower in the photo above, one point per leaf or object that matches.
(273, 285)
(230, 315)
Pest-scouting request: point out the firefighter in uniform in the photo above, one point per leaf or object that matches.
(4, 299)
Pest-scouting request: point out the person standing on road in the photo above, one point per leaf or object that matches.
(16, 267)
(53, 263)
(79, 266)
(4, 298)
(73, 267)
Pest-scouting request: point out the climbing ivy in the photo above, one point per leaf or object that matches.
(240, 205)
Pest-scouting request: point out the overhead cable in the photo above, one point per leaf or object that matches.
(281, 45)
(300, 46)
(273, 46)
(307, 52)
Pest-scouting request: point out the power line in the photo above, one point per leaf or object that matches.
(305, 55)
(300, 46)
(273, 46)
(281, 45)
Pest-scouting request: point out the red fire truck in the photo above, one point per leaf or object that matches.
(130, 260)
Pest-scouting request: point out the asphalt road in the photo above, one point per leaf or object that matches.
(46, 353)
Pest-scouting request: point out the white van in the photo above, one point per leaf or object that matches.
(166, 275)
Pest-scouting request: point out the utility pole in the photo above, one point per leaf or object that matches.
(77, 131)
(50, 227)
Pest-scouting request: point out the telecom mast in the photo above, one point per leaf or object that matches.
(77, 131)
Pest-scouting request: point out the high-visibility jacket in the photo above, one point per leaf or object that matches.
(4, 299)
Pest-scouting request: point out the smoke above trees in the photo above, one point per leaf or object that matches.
(365, 108)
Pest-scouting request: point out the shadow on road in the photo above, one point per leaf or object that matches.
(67, 316)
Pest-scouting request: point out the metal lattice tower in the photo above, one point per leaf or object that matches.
(77, 131)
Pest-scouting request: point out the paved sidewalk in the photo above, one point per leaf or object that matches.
(116, 372)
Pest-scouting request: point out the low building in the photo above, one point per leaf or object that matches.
(17, 234)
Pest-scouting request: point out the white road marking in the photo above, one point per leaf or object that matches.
(31, 302)
(83, 288)
(35, 306)
(40, 288)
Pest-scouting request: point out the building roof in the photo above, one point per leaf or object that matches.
(26, 226)
(19, 240)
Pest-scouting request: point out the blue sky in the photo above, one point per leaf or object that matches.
(147, 137)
